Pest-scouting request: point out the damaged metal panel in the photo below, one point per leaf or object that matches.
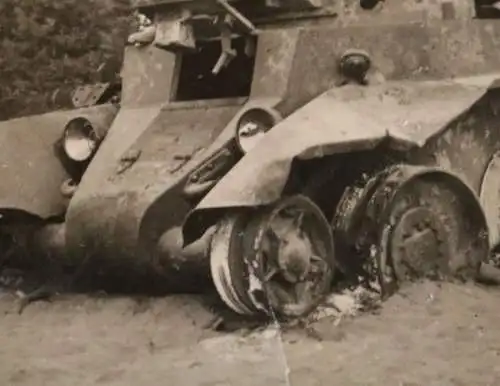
(466, 146)
(343, 120)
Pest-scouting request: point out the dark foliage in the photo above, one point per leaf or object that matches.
(50, 46)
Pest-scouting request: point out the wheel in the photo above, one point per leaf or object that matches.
(417, 222)
(490, 198)
(227, 265)
(277, 261)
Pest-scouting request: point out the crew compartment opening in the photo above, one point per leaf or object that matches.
(487, 9)
(196, 80)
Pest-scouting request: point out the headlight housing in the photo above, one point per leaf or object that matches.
(253, 125)
(80, 140)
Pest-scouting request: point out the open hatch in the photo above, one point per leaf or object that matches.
(215, 42)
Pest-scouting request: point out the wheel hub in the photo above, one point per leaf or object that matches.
(294, 257)
(419, 245)
(292, 273)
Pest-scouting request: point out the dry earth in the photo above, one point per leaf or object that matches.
(427, 335)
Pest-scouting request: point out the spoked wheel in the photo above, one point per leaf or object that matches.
(278, 261)
(421, 222)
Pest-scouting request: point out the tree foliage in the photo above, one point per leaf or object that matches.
(54, 45)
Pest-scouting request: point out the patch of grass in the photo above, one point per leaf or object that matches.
(49, 46)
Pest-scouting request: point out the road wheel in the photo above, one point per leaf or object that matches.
(415, 222)
(278, 261)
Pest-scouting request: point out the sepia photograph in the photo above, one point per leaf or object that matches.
(247, 193)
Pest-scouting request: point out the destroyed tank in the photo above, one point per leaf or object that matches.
(276, 148)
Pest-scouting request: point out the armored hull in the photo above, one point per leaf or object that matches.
(278, 148)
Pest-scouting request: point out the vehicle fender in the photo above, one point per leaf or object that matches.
(31, 171)
(340, 120)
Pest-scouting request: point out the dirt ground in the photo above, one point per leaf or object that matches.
(426, 335)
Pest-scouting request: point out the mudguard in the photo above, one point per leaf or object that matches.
(338, 121)
(31, 173)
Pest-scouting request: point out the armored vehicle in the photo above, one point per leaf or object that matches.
(275, 147)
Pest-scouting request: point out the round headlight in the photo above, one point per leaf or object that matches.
(80, 140)
(253, 125)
